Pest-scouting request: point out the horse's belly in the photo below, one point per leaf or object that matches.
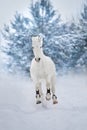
(41, 74)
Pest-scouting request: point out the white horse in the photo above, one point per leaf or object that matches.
(42, 67)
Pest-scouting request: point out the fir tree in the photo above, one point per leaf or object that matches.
(78, 43)
(18, 43)
(74, 45)
(45, 21)
(48, 24)
(82, 62)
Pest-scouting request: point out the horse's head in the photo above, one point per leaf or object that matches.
(37, 42)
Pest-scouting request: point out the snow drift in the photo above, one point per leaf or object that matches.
(18, 110)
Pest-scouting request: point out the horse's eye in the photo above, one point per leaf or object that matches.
(40, 46)
(32, 47)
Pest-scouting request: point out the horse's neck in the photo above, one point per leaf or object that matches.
(42, 55)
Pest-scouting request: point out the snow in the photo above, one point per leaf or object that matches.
(18, 110)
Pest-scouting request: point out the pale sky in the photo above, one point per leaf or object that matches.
(67, 8)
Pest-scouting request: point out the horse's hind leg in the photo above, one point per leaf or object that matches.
(38, 93)
(54, 97)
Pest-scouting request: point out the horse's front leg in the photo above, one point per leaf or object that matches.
(48, 93)
(38, 92)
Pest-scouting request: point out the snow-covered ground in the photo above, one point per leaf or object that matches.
(18, 110)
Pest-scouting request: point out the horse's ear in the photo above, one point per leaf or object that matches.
(40, 39)
(32, 38)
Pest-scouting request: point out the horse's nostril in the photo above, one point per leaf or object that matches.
(39, 59)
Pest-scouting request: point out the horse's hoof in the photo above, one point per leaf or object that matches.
(38, 102)
(48, 96)
(55, 102)
(54, 97)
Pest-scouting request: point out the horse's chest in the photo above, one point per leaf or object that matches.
(40, 70)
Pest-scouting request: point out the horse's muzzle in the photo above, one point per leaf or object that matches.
(37, 59)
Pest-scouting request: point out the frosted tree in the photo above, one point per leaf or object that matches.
(48, 24)
(82, 61)
(18, 42)
(44, 21)
(78, 43)
(73, 43)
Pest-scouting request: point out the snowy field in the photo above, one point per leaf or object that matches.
(18, 110)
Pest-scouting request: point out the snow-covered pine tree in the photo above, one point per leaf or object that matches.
(78, 54)
(48, 24)
(78, 43)
(18, 46)
(74, 43)
(82, 61)
(69, 40)
(44, 21)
